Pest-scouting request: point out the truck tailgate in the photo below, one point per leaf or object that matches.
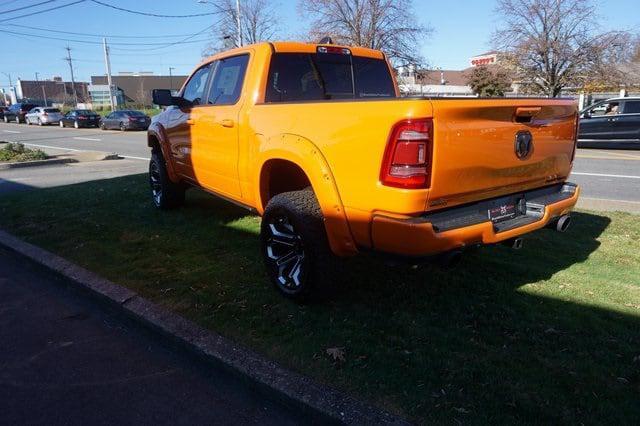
(474, 149)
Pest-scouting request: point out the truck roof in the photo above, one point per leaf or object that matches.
(299, 47)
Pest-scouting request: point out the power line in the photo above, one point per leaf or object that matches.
(42, 11)
(160, 44)
(183, 41)
(27, 7)
(97, 35)
(122, 9)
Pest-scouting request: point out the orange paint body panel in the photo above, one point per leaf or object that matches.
(340, 145)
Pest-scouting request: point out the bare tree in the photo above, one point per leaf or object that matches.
(555, 44)
(387, 25)
(259, 22)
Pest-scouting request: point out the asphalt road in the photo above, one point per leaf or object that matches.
(610, 179)
(63, 360)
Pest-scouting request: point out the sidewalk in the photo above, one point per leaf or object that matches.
(65, 361)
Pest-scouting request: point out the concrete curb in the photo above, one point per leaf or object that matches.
(266, 375)
(49, 162)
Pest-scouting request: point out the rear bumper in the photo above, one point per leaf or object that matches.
(469, 225)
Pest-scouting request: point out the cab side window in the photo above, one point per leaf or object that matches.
(194, 90)
(227, 81)
(632, 107)
(607, 108)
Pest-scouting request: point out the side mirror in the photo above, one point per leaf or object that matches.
(163, 97)
(586, 114)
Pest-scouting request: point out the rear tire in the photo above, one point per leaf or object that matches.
(123, 128)
(61, 123)
(17, 119)
(39, 122)
(76, 125)
(102, 126)
(295, 248)
(6, 119)
(165, 193)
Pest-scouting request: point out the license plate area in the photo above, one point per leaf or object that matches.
(505, 208)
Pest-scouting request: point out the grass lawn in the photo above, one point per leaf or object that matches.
(547, 334)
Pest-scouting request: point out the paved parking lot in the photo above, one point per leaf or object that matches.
(610, 179)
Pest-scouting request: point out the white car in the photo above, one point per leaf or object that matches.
(43, 115)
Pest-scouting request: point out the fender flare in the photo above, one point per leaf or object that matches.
(157, 131)
(306, 155)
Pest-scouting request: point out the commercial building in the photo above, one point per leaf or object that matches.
(441, 82)
(131, 88)
(49, 92)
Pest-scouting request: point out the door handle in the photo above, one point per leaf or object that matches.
(227, 122)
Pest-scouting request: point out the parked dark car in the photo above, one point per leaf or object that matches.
(613, 120)
(80, 118)
(126, 120)
(16, 112)
(2, 109)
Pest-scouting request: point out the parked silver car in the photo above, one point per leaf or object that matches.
(43, 115)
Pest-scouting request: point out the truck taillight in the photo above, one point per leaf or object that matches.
(407, 158)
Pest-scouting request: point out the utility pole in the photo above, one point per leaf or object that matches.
(10, 86)
(44, 93)
(171, 78)
(107, 63)
(238, 23)
(73, 83)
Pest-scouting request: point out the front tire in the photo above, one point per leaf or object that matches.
(295, 248)
(166, 194)
(61, 123)
(123, 128)
(6, 119)
(17, 119)
(39, 122)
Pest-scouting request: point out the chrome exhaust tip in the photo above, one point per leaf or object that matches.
(563, 223)
(514, 243)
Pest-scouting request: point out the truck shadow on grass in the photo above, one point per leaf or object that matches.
(545, 334)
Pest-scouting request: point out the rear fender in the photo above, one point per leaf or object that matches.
(308, 157)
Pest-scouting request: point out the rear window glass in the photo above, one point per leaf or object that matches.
(51, 110)
(324, 76)
(632, 107)
(84, 112)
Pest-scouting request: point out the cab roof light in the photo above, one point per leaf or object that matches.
(334, 49)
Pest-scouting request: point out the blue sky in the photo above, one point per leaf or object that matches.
(461, 29)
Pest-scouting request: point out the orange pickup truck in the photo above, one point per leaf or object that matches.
(316, 139)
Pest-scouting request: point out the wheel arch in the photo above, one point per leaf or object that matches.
(156, 140)
(291, 162)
